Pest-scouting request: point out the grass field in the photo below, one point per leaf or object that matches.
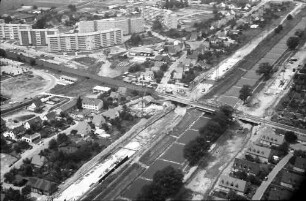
(188, 136)
(135, 188)
(158, 165)
(200, 123)
(174, 153)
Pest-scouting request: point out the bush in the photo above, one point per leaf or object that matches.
(290, 137)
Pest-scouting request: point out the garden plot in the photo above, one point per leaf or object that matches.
(188, 136)
(200, 123)
(251, 75)
(174, 154)
(6, 161)
(232, 101)
(245, 81)
(159, 165)
(132, 192)
(234, 91)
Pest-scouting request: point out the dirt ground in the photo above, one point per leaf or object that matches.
(6, 161)
(227, 147)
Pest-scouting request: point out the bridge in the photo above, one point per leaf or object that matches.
(210, 108)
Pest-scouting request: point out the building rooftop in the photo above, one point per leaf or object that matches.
(300, 163)
(259, 151)
(232, 183)
(291, 178)
(42, 184)
(91, 101)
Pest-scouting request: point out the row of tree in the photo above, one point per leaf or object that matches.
(215, 127)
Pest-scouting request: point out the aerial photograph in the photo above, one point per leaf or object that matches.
(152, 100)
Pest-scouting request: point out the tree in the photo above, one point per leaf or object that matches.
(150, 33)
(150, 192)
(135, 39)
(293, 42)
(157, 25)
(72, 8)
(3, 53)
(61, 138)
(290, 137)
(79, 103)
(289, 17)
(26, 190)
(245, 92)
(227, 110)
(34, 7)
(53, 144)
(164, 67)
(40, 23)
(32, 62)
(195, 150)
(265, 69)
(170, 179)
(232, 195)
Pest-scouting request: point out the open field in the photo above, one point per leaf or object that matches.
(22, 85)
(188, 136)
(174, 154)
(158, 165)
(200, 123)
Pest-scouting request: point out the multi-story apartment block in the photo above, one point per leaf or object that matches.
(35, 37)
(127, 25)
(11, 31)
(167, 17)
(84, 41)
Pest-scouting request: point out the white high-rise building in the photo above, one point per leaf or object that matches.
(168, 18)
(127, 25)
(84, 41)
(11, 31)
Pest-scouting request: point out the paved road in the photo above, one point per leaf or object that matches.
(264, 185)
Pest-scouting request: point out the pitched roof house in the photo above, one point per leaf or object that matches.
(68, 106)
(280, 194)
(232, 183)
(34, 121)
(122, 91)
(83, 128)
(291, 180)
(15, 133)
(269, 137)
(92, 103)
(300, 164)
(35, 105)
(111, 113)
(38, 160)
(41, 186)
(246, 166)
(31, 138)
(263, 153)
(98, 120)
(114, 94)
(49, 116)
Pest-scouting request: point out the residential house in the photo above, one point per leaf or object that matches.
(232, 183)
(277, 193)
(146, 76)
(92, 103)
(31, 138)
(83, 128)
(98, 120)
(291, 180)
(49, 116)
(38, 161)
(122, 91)
(68, 107)
(174, 49)
(111, 114)
(15, 133)
(268, 137)
(36, 121)
(114, 95)
(263, 153)
(246, 166)
(42, 186)
(178, 75)
(101, 89)
(37, 104)
(299, 164)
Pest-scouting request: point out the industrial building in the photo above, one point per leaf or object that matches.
(84, 41)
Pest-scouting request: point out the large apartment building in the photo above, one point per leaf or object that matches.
(127, 25)
(35, 37)
(84, 41)
(11, 31)
(168, 18)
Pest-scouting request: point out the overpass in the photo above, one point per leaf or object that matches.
(210, 108)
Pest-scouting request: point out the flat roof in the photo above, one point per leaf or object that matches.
(101, 88)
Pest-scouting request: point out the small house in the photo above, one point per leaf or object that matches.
(263, 153)
(268, 137)
(36, 121)
(122, 91)
(31, 138)
(37, 104)
(98, 120)
(15, 133)
(101, 89)
(299, 164)
(83, 128)
(291, 180)
(68, 107)
(111, 114)
(114, 95)
(231, 183)
(246, 166)
(42, 186)
(38, 161)
(92, 103)
(49, 116)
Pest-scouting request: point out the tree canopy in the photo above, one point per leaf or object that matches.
(72, 8)
(293, 42)
(245, 92)
(166, 184)
(290, 137)
(79, 103)
(195, 150)
(135, 39)
(265, 69)
(157, 25)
